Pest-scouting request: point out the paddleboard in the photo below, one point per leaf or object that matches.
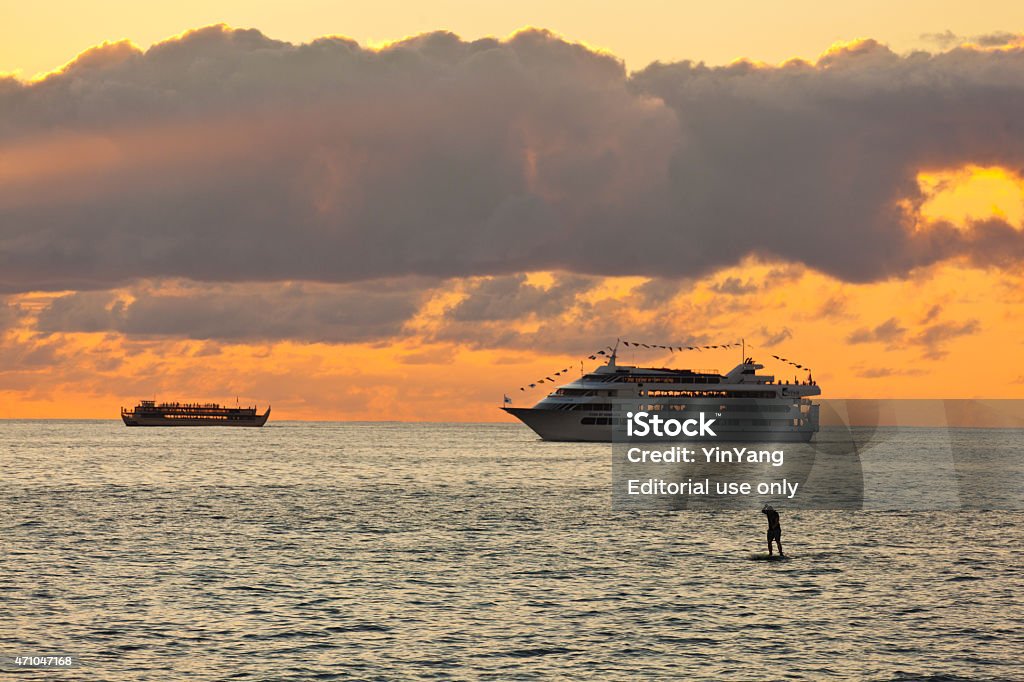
(767, 557)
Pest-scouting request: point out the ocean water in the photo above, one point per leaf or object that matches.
(402, 551)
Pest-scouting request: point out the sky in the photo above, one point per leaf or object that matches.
(39, 38)
(376, 212)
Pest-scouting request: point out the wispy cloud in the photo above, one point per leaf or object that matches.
(889, 331)
(947, 39)
(932, 337)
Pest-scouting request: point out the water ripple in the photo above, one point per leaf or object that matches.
(299, 552)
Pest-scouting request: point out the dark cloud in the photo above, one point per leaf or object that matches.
(581, 330)
(227, 156)
(932, 337)
(947, 39)
(932, 313)
(83, 311)
(879, 373)
(735, 286)
(658, 290)
(775, 277)
(944, 39)
(9, 315)
(935, 336)
(883, 372)
(889, 331)
(770, 338)
(834, 307)
(439, 356)
(511, 297)
(25, 355)
(812, 162)
(208, 349)
(366, 312)
(996, 39)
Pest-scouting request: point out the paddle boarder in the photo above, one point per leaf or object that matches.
(774, 528)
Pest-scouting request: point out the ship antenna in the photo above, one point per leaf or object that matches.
(743, 344)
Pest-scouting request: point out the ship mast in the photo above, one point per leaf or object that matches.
(611, 358)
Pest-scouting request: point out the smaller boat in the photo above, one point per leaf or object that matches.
(150, 413)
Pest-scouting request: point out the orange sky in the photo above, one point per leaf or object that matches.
(90, 375)
(35, 39)
(950, 330)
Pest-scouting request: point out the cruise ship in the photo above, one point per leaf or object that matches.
(151, 413)
(746, 406)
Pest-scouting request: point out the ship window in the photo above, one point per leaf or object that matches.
(593, 407)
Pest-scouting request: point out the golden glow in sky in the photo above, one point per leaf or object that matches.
(932, 336)
(35, 40)
(972, 194)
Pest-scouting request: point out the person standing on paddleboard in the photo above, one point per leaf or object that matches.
(774, 528)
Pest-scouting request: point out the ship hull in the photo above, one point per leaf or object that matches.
(555, 425)
(156, 420)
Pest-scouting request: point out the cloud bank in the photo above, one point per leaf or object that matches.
(224, 155)
(354, 313)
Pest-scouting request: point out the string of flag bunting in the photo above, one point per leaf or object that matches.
(701, 348)
(681, 348)
(550, 379)
(608, 350)
(790, 362)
